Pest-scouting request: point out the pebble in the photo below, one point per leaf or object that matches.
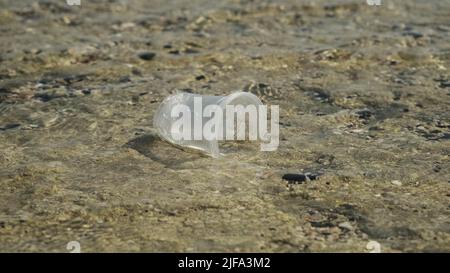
(443, 28)
(364, 113)
(147, 56)
(136, 72)
(414, 34)
(200, 77)
(297, 178)
(396, 182)
(49, 95)
(346, 225)
(444, 84)
(124, 79)
(9, 126)
(294, 178)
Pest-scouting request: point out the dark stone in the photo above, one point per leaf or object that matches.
(190, 51)
(293, 178)
(136, 72)
(320, 95)
(44, 97)
(187, 90)
(437, 168)
(199, 78)
(75, 78)
(45, 81)
(124, 79)
(86, 91)
(297, 178)
(364, 114)
(322, 224)
(9, 126)
(414, 34)
(444, 84)
(285, 124)
(446, 136)
(147, 56)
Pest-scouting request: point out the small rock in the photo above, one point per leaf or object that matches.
(136, 72)
(48, 95)
(444, 84)
(346, 225)
(364, 113)
(174, 52)
(396, 182)
(9, 126)
(414, 34)
(443, 28)
(124, 79)
(293, 178)
(297, 178)
(86, 91)
(190, 51)
(147, 56)
(373, 247)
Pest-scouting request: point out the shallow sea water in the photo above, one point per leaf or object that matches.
(364, 94)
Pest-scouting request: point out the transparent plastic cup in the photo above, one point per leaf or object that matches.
(163, 120)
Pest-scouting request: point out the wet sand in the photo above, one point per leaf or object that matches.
(364, 94)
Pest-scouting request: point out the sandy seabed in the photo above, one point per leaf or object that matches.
(364, 94)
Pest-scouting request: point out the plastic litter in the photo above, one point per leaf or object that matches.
(163, 120)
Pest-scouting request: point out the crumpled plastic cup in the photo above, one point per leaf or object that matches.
(163, 119)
